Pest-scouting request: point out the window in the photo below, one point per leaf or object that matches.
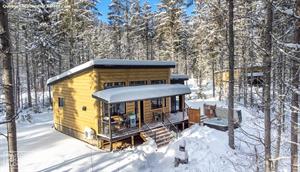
(136, 83)
(165, 102)
(176, 103)
(61, 102)
(108, 85)
(116, 109)
(156, 103)
(158, 81)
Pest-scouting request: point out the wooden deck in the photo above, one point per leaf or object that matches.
(175, 118)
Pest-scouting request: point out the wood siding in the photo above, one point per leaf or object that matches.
(127, 75)
(76, 92)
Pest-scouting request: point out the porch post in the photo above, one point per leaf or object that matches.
(183, 118)
(140, 120)
(163, 109)
(109, 126)
(183, 110)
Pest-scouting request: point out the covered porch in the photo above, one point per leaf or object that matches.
(127, 111)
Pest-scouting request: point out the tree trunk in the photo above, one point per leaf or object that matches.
(279, 114)
(213, 78)
(231, 76)
(34, 81)
(27, 74)
(5, 54)
(267, 61)
(295, 97)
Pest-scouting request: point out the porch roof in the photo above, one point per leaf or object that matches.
(134, 93)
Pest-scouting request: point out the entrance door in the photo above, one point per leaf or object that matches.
(142, 111)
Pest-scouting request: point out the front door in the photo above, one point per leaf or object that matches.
(142, 111)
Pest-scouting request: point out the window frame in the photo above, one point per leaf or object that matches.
(158, 102)
(131, 83)
(115, 84)
(61, 102)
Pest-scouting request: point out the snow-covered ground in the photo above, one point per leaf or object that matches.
(42, 148)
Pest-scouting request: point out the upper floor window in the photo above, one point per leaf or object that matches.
(113, 84)
(61, 102)
(158, 81)
(136, 83)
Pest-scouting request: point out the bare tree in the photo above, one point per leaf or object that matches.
(295, 96)
(5, 54)
(267, 61)
(231, 75)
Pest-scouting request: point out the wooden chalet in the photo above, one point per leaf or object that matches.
(105, 101)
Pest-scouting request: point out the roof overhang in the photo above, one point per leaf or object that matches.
(143, 92)
(179, 77)
(112, 64)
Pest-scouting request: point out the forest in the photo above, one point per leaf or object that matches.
(43, 38)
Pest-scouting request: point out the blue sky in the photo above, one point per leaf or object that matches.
(103, 7)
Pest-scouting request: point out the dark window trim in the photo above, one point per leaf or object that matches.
(114, 84)
(158, 103)
(61, 102)
(145, 82)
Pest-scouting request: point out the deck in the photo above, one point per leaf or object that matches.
(175, 118)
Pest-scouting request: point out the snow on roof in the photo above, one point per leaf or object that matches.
(112, 63)
(134, 93)
(179, 77)
(255, 74)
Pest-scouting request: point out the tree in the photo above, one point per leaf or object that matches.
(8, 87)
(295, 95)
(231, 75)
(267, 61)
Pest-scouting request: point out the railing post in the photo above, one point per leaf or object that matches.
(110, 132)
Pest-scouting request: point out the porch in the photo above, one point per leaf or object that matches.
(125, 132)
(151, 106)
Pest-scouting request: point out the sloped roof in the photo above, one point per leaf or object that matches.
(179, 77)
(112, 63)
(134, 93)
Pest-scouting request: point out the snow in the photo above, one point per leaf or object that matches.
(108, 63)
(179, 77)
(132, 93)
(255, 74)
(42, 148)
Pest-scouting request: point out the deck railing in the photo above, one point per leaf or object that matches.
(151, 131)
(168, 124)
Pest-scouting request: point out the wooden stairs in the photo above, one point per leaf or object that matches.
(161, 135)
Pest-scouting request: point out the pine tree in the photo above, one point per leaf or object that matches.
(8, 88)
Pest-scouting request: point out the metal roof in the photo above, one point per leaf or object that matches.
(179, 77)
(134, 93)
(112, 63)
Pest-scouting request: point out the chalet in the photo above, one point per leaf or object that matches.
(105, 101)
(252, 75)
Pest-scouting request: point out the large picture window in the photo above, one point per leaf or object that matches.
(176, 103)
(156, 103)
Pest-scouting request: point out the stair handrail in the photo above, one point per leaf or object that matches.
(149, 129)
(176, 129)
